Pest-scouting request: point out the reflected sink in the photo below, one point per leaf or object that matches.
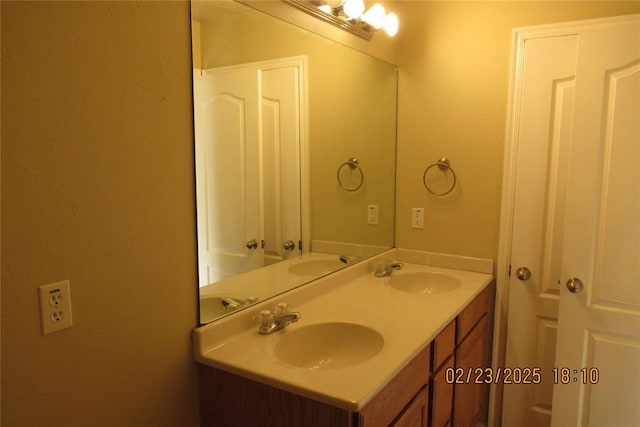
(422, 282)
(331, 345)
(316, 267)
(213, 306)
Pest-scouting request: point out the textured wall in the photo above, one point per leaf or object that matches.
(454, 63)
(97, 188)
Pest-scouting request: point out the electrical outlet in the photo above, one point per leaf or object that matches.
(417, 218)
(373, 215)
(55, 306)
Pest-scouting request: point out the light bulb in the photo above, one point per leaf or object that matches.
(391, 24)
(325, 8)
(375, 16)
(353, 8)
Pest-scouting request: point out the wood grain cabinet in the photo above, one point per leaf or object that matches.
(404, 401)
(471, 358)
(422, 394)
(416, 413)
(442, 389)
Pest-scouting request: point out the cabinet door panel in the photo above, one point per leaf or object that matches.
(416, 414)
(441, 396)
(469, 398)
(233, 401)
(387, 404)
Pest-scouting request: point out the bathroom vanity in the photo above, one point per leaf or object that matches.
(404, 350)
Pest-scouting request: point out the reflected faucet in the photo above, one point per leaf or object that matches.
(271, 322)
(348, 259)
(234, 303)
(385, 269)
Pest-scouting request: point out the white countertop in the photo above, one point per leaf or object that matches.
(407, 321)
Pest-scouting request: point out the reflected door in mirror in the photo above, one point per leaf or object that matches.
(248, 168)
(281, 162)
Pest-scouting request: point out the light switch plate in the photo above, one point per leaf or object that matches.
(55, 306)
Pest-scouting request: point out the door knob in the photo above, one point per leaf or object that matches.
(252, 244)
(575, 285)
(289, 245)
(523, 273)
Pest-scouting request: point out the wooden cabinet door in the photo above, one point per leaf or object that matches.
(441, 396)
(469, 398)
(416, 413)
(385, 407)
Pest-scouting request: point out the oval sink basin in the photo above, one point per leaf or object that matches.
(332, 345)
(424, 283)
(316, 267)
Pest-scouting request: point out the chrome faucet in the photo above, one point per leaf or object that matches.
(271, 322)
(384, 270)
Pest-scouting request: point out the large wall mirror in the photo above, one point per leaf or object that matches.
(295, 155)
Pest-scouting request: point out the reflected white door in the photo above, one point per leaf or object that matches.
(228, 173)
(281, 134)
(598, 355)
(249, 136)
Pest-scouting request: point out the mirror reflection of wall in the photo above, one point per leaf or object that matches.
(350, 111)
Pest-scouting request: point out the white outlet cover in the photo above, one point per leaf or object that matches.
(373, 215)
(55, 307)
(417, 218)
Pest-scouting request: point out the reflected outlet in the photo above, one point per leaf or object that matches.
(417, 218)
(55, 306)
(373, 215)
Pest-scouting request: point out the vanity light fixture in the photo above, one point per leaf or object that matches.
(351, 16)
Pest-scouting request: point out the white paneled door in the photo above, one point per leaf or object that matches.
(597, 380)
(544, 134)
(248, 131)
(575, 211)
(281, 174)
(227, 135)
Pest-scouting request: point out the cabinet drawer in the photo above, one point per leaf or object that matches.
(443, 345)
(391, 400)
(471, 314)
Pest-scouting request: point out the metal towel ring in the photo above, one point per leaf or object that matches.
(353, 164)
(443, 164)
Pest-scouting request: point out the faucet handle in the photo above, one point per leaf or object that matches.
(266, 317)
(232, 306)
(282, 308)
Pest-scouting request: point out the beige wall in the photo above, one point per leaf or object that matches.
(454, 63)
(97, 187)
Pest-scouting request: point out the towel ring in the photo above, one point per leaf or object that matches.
(444, 165)
(353, 164)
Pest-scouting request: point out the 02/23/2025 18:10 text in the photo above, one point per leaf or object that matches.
(526, 375)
